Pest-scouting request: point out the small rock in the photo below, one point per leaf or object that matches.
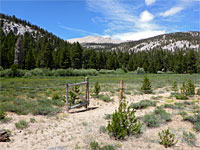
(4, 136)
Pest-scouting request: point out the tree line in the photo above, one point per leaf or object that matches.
(49, 51)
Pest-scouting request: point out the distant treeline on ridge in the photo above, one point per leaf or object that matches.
(46, 50)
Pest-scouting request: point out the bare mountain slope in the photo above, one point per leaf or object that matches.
(171, 41)
(94, 39)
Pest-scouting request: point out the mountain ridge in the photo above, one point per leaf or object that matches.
(94, 39)
(170, 41)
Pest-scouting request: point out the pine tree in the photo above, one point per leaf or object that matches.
(146, 86)
(76, 56)
(29, 60)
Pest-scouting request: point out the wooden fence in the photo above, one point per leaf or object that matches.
(86, 98)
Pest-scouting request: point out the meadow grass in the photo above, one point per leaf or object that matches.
(30, 91)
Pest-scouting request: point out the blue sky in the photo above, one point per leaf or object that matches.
(118, 19)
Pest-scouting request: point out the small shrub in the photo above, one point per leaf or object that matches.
(140, 71)
(105, 98)
(14, 69)
(143, 104)
(189, 138)
(45, 110)
(108, 116)
(55, 96)
(97, 88)
(102, 129)
(183, 89)
(197, 126)
(157, 117)
(95, 146)
(3, 117)
(182, 113)
(152, 120)
(146, 86)
(163, 114)
(37, 72)
(166, 138)
(124, 123)
(2, 114)
(175, 86)
(32, 120)
(28, 74)
(188, 89)
(160, 72)
(72, 96)
(181, 96)
(21, 124)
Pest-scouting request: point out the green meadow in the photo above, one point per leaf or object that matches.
(44, 95)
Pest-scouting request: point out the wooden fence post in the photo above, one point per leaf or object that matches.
(66, 94)
(86, 92)
(121, 91)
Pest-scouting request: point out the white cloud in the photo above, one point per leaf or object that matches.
(149, 2)
(172, 11)
(146, 16)
(122, 23)
(137, 35)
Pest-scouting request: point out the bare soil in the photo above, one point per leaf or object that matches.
(76, 129)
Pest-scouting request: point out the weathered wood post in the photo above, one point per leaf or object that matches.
(66, 94)
(121, 91)
(86, 92)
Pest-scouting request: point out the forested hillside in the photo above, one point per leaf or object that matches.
(31, 47)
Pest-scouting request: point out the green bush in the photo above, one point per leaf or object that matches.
(102, 129)
(166, 138)
(181, 96)
(45, 110)
(174, 86)
(142, 104)
(37, 72)
(73, 97)
(188, 89)
(108, 116)
(163, 114)
(140, 71)
(157, 117)
(2, 114)
(189, 138)
(32, 120)
(160, 72)
(152, 120)
(97, 88)
(104, 98)
(124, 123)
(28, 74)
(197, 126)
(3, 117)
(146, 86)
(21, 124)
(104, 71)
(95, 146)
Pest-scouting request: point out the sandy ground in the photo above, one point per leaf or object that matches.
(75, 130)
